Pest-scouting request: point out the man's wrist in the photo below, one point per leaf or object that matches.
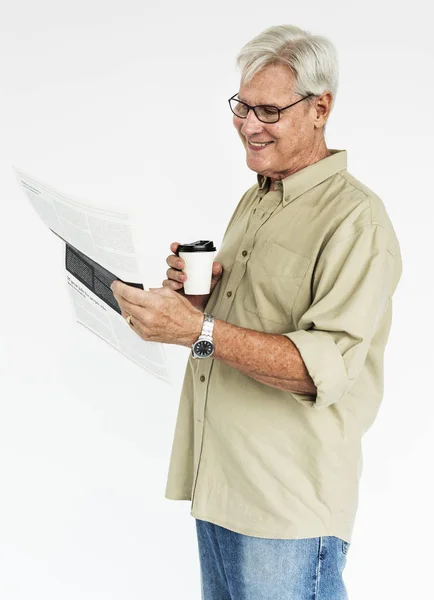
(196, 329)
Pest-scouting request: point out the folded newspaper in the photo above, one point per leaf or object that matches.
(99, 248)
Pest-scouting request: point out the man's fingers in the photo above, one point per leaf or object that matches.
(127, 292)
(173, 285)
(176, 275)
(131, 309)
(175, 262)
(174, 247)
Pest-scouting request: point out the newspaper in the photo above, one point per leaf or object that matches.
(99, 248)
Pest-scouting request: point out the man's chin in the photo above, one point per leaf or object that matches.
(256, 166)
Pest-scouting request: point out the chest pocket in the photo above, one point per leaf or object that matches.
(274, 275)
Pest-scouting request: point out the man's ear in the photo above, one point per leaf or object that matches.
(322, 106)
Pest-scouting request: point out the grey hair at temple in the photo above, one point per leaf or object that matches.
(312, 58)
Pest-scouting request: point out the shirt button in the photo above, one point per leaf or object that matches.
(229, 294)
(202, 377)
(244, 252)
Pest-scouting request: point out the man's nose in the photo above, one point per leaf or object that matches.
(251, 124)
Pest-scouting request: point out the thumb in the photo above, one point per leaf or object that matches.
(217, 270)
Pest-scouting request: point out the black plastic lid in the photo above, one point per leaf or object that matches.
(199, 246)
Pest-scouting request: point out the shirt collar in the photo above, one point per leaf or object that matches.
(304, 180)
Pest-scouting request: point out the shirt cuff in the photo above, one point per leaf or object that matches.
(325, 365)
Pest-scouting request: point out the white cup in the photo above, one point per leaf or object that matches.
(198, 268)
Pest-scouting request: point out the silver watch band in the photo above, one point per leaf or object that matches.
(208, 325)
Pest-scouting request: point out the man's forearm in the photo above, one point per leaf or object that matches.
(269, 358)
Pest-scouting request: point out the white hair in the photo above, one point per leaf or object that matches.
(311, 58)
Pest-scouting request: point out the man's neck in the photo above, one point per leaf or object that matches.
(301, 163)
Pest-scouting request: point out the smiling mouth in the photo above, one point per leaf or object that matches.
(259, 144)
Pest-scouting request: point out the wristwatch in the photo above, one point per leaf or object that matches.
(203, 347)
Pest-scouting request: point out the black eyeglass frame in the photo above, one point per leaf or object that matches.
(279, 110)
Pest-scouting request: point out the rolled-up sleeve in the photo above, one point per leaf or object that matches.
(353, 282)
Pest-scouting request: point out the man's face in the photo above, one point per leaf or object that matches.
(293, 137)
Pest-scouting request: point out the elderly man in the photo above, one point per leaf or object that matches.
(267, 443)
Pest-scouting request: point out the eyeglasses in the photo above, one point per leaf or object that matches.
(264, 112)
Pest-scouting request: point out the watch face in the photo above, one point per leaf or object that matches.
(203, 348)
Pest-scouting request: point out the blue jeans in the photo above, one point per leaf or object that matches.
(234, 566)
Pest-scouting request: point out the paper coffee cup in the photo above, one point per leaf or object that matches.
(198, 258)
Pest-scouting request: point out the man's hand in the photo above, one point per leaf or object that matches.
(176, 277)
(160, 314)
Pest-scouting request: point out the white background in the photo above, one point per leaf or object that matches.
(126, 103)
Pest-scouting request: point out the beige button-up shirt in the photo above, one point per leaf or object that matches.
(316, 260)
